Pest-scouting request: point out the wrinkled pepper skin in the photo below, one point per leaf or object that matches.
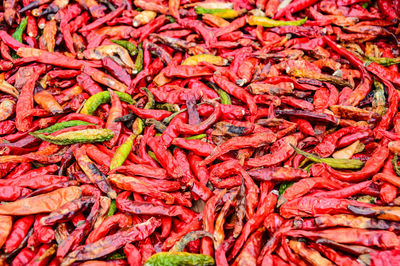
(179, 258)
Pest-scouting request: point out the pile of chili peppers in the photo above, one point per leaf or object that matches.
(153, 132)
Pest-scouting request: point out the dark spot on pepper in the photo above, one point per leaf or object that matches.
(236, 130)
(96, 170)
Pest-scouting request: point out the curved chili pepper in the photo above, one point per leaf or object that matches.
(370, 168)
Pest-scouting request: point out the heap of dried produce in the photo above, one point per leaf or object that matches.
(243, 132)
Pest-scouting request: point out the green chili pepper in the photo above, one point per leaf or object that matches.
(171, 19)
(168, 106)
(138, 126)
(335, 163)
(225, 98)
(139, 60)
(200, 136)
(189, 237)
(62, 125)
(80, 136)
(123, 151)
(150, 99)
(284, 186)
(117, 255)
(132, 49)
(20, 30)
(308, 167)
(223, 95)
(169, 118)
(96, 100)
(219, 12)
(152, 155)
(269, 23)
(366, 199)
(365, 5)
(385, 61)
(396, 167)
(379, 101)
(177, 257)
(113, 208)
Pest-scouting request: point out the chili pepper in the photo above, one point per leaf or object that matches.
(380, 257)
(302, 206)
(79, 136)
(104, 79)
(23, 257)
(121, 220)
(150, 113)
(20, 30)
(132, 254)
(47, 40)
(353, 236)
(65, 212)
(149, 208)
(10, 41)
(223, 13)
(25, 102)
(256, 140)
(12, 193)
(310, 255)
(62, 125)
(202, 30)
(122, 152)
(387, 9)
(132, 49)
(208, 221)
(201, 119)
(294, 7)
(138, 186)
(42, 203)
(278, 174)
(6, 227)
(266, 207)
(188, 179)
(97, 23)
(96, 100)
(93, 173)
(199, 171)
(116, 70)
(303, 186)
(88, 84)
(51, 58)
(139, 60)
(103, 246)
(266, 22)
(370, 168)
(237, 92)
(335, 163)
(142, 170)
(179, 258)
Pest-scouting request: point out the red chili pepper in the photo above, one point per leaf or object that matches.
(132, 254)
(266, 207)
(150, 113)
(198, 189)
(117, 220)
(23, 257)
(237, 92)
(97, 23)
(387, 8)
(370, 168)
(18, 232)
